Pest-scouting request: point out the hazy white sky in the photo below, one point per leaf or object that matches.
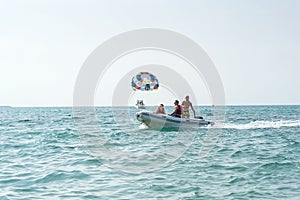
(254, 44)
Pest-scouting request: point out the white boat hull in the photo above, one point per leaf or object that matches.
(140, 106)
(154, 120)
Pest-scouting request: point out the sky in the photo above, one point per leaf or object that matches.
(254, 45)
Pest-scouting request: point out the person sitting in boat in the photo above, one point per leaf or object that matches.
(161, 109)
(186, 107)
(177, 110)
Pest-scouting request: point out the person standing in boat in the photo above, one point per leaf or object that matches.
(186, 107)
(177, 110)
(161, 109)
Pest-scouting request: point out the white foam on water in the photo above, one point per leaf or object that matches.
(259, 125)
(143, 126)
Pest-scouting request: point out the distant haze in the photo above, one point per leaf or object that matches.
(254, 45)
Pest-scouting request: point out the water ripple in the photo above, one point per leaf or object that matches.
(42, 157)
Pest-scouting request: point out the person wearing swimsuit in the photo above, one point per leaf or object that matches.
(186, 106)
(161, 109)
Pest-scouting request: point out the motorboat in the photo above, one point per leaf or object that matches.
(153, 120)
(140, 104)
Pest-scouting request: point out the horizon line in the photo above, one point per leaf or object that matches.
(64, 106)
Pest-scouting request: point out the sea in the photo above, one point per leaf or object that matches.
(49, 153)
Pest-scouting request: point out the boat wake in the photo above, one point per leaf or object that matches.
(259, 125)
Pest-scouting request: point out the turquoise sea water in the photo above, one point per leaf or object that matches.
(257, 156)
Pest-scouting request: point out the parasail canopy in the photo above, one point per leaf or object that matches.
(144, 81)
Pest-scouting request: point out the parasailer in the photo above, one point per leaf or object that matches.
(144, 81)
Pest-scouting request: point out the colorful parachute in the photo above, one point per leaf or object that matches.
(144, 81)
